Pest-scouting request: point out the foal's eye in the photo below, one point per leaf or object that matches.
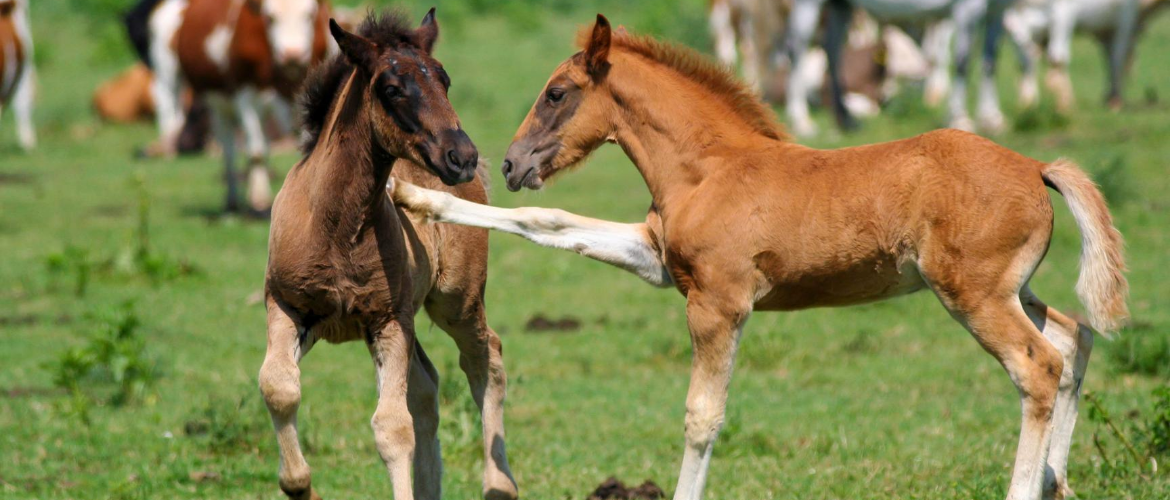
(555, 95)
(393, 92)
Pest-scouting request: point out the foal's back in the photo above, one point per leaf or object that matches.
(847, 226)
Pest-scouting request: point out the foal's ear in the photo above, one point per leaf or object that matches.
(359, 51)
(597, 53)
(427, 32)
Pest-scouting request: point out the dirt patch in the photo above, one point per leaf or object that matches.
(612, 489)
(32, 319)
(542, 323)
(16, 178)
(30, 392)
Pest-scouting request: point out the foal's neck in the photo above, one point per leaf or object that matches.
(350, 169)
(673, 129)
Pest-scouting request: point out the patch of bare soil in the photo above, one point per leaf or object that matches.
(612, 489)
(542, 323)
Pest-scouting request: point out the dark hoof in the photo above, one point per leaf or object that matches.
(258, 214)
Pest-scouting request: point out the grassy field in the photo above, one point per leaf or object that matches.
(891, 400)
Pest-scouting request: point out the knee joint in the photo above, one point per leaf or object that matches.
(280, 388)
(393, 433)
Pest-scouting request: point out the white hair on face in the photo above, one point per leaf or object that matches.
(291, 28)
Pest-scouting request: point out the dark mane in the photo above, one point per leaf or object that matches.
(702, 70)
(388, 29)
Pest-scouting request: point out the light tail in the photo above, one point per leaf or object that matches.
(1102, 286)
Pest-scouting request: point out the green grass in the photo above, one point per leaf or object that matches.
(891, 400)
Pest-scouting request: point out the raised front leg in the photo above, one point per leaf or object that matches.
(716, 322)
(392, 348)
(280, 384)
(628, 246)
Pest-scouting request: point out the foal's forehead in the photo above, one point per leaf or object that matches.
(409, 62)
(570, 70)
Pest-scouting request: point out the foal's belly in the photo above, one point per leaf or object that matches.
(831, 286)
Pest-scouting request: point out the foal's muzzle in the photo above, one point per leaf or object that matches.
(455, 159)
(522, 165)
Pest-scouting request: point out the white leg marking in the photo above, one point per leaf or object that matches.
(626, 246)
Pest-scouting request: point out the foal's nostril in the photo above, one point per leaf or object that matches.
(452, 158)
(507, 168)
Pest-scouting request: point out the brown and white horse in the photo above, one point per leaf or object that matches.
(17, 74)
(345, 264)
(744, 220)
(240, 56)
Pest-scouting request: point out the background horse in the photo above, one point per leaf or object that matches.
(345, 265)
(743, 220)
(1034, 25)
(966, 15)
(17, 71)
(240, 56)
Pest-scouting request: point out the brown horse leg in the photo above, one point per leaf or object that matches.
(422, 397)
(715, 324)
(1075, 343)
(1000, 325)
(392, 349)
(280, 385)
(481, 358)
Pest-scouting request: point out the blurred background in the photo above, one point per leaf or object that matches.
(132, 326)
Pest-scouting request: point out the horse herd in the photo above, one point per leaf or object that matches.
(746, 31)
(386, 214)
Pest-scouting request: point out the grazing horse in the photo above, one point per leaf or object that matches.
(345, 264)
(1116, 24)
(17, 75)
(744, 220)
(966, 14)
(240, 56)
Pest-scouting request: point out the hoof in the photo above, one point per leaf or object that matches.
(804, 129)
(963, 123)
(992, 123)
(499, 486)
(260, 214)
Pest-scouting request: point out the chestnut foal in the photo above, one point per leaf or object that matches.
(345, 264)
(744, 220)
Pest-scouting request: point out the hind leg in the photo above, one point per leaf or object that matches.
(481, 358)
(422, 397)
(280, 384)
(1075, 343)
(1034, 365)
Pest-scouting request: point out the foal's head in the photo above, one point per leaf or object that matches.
(571, 118)
(406, 96)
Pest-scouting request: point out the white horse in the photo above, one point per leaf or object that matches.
(965, 14)
(1114, 23)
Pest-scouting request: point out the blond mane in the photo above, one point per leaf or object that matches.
(702, 70)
